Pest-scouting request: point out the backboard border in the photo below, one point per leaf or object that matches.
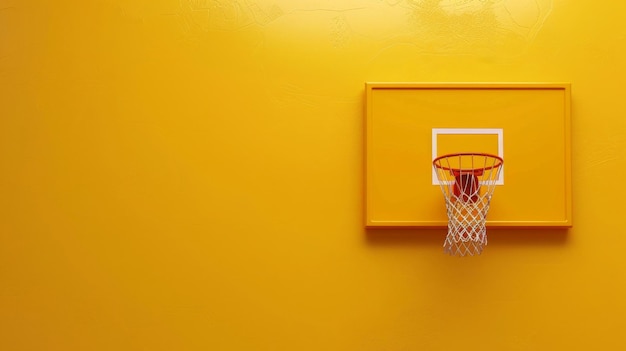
(566, 222)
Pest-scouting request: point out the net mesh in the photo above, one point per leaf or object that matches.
(467, 182)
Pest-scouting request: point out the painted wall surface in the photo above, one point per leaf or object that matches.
(187, 175)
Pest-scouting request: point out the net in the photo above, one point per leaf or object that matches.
(467, 181)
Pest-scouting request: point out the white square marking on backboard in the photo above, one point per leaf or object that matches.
(465, 131)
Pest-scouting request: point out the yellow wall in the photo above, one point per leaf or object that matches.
(187, 175)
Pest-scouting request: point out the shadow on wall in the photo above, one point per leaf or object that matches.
(497, 237)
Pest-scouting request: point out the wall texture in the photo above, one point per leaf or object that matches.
(187, 175)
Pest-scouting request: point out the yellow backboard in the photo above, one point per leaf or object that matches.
(409, 124)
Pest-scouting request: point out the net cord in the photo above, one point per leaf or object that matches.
(467, 192)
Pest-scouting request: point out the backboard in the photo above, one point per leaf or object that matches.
(410, 124)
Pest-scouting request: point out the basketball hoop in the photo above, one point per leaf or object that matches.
(467, 181)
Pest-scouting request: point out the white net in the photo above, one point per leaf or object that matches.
(467, 182)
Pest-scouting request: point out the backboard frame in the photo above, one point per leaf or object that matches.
(372, 220)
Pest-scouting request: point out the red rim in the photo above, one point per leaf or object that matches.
(437, 164)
